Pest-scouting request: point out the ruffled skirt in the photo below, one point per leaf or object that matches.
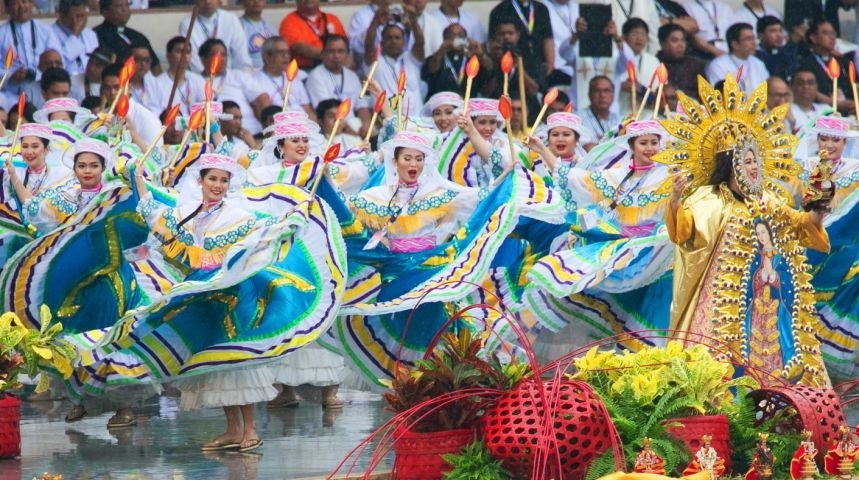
(242, 386)
(309, 365)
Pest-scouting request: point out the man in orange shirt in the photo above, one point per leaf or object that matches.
(304, 29)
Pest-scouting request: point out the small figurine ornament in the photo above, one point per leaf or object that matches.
(821, 188)
(803, 465)
(840, 458)
(706, 459)
(762, 462)
(647, 461)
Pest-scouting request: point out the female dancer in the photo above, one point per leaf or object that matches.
(482, 155)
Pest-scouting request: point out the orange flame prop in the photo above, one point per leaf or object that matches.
(380, 102)
(332, 153)
(22, 101)
(344, 109)
(504, 108)
(292, 70)
(569, 108)
(472, 68)
(630, 71)
(401, 82)
(170, 118)
(633, 84)
(662, 75)
(548, 99)
(215, 63)
(834, 70)
(122, 106)
(852, 74)
(208, 92)
(506, 63)
(196, 120)
(129, 68)
(377, 109)
(10, 55)
(506, 68)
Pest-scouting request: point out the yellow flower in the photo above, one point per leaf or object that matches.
(644, 387)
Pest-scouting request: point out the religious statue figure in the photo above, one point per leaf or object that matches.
(647, 461)
(803, 465)
(706, 459)
(841, 457)
(762, 462)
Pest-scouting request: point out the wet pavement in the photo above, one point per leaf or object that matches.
(299, 442)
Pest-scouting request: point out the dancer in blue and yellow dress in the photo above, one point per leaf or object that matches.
(606, 276)
(737, 237)
(430, 239)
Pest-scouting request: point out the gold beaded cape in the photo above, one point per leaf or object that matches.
(714, 230)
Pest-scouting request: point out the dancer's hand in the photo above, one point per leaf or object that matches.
(681, 182)
(465, 124)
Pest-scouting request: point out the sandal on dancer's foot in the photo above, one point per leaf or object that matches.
(283, 402)
(121, 420)
(255, 444)
(332, 403)
(76, 413)
(220, 445)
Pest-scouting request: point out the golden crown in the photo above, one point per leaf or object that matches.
(763, 436)
(726, 121)
(706, 438)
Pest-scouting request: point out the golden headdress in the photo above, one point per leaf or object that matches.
(725, 122)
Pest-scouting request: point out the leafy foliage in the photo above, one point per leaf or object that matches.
(30, 351)
(458, 363)
(475, 462)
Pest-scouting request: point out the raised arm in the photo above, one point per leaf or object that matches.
(20, 190)
(538, 146)
(481, 146)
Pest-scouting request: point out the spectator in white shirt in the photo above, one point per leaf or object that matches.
(635, 37)
(450, 11)
(89, 83)
(597, 116)
(624, 10)
(76, 40)
(714, 17)
(213, 22)
(48, 60)
(191, 86)
(231, 128)
(751, 11)
(257, 30)
(236, 85)
(742, 43)
(332, 80)
(804, 109)
(563, 14)
(55, 83)
(271, 79)
(394, 57)
(433, 30)
(142, 84)
(358, 26)
(29, 38)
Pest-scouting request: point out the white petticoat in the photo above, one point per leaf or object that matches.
(242, 386)
(309, 365)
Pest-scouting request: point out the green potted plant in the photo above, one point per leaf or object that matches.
(442, 399)
(30, 351)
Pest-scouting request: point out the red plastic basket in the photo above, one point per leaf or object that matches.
(418, 454)
(579, 430)
(10, 426)
(695, 427)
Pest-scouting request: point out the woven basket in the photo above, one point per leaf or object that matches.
(10, 426)
(418, 454)
(819, 411)
(579, 431)
(695, 427)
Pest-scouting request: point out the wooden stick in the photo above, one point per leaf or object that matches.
(370, 130)
(658, 99)
(369, 78)
(180, 71)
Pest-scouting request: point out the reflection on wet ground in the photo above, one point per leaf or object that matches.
(299, 442)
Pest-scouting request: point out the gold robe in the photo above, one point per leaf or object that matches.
(697, 229)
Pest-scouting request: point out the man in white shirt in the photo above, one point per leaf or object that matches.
(804, 109)
(450, 11)
(142, 84)
(394, 57)
(357, 30)
(623, 10)
(751, 11)
(433, 30)
(714, 17)
(89, 83)
(257, 30)
(332, 80)
(597, 117)
(29, 38)
(742, 44)
(236, 85)
(563, 14)
(76, 40)
(191, 86)
(271, 79)
(635, 37)
(214, 22)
